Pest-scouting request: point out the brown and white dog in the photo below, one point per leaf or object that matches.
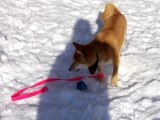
(105, 47)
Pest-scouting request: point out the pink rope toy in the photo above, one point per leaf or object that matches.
(19, 95)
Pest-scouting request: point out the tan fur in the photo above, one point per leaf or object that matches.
(107, 44)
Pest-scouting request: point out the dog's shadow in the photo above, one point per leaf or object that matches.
(63, 101)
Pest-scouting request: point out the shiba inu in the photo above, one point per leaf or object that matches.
(105, 47)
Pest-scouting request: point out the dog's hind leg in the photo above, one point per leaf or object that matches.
(116, 61)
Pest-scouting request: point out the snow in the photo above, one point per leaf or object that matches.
(36, 42)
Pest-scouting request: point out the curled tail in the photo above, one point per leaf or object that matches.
(110, 10)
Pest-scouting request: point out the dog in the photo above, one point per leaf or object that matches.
(105, 47)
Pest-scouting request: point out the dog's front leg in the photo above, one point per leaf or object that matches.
(100, 70)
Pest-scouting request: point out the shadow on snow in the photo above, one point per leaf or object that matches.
(63, 101)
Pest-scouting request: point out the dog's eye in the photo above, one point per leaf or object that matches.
(76, 64)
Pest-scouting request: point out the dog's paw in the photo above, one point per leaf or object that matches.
(114, 82)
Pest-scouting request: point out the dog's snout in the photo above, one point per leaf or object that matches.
(69, 69)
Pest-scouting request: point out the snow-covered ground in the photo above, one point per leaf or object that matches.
(36, 42)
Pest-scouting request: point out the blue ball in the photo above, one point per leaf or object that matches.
(81, 86)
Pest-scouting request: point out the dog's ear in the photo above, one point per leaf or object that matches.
(77, 46)
(79, 53)
(92, 69)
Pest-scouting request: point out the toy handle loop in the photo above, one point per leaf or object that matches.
(19, 95)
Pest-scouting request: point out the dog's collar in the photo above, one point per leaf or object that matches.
(93, 68)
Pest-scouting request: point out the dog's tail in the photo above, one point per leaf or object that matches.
(110, 10)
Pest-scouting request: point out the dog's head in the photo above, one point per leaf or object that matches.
(84, 57)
